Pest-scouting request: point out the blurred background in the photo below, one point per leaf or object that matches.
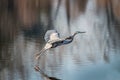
(94, 55)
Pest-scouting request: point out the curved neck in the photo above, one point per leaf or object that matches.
(74, 35)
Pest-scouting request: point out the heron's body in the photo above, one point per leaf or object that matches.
(53, 40)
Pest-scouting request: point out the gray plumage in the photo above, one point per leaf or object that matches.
(53, 40)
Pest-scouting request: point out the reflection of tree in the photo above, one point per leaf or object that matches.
(26, 13)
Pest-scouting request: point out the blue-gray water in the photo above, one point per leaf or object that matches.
(91, 56)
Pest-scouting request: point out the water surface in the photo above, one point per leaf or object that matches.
(91, 56)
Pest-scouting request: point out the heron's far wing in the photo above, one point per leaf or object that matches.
(49, 33)
(39, 54)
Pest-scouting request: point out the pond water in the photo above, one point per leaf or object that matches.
(91, 56)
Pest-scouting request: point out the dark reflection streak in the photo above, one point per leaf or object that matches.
(68, 14)
(57, 9)
(37, 68)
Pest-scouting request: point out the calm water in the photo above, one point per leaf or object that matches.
(91, 56)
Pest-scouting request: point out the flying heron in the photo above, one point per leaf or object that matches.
(53, 40)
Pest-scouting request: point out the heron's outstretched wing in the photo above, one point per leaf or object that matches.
(47, 46)
(51, 35)
(39, 54)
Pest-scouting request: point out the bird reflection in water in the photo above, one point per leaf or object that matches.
(37, 68)
(53, 40)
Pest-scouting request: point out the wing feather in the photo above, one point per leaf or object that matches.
(49, 34)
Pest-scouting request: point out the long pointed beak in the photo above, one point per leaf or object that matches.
(81, 32)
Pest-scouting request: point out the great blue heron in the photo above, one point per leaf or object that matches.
(53, 40)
